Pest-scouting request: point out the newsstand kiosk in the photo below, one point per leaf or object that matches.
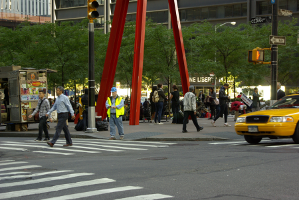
(19, 89)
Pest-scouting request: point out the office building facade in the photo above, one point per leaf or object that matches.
(215, 11)
(13, 12)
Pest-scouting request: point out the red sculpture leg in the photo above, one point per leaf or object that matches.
(138, 62)
(179, 43)
(112, 53)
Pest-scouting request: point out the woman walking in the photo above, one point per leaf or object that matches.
(175, 102)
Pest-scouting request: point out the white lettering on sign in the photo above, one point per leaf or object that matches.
(246, 100)
(200, 79)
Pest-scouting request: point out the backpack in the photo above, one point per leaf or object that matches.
(155, 97)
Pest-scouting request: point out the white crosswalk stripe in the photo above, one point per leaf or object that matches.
(13, 148)
(91, 146)
(147, 197)
(93, 193)
(12, 163)
(21, 193)
(42, 180)
(21, 167)
(13, 173)
(13, 181)
(33, 175)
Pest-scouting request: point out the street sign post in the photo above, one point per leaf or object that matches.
(277, 40)
(259, 20)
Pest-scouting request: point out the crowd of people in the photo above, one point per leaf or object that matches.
(192, 106)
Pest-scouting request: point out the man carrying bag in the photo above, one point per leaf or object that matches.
(41, 110)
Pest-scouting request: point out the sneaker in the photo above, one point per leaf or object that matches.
(112, 138)
(160, 123)
(46, 139)
(184, 131)
(38, 140)
(227, 125)
(121, 137)
(213, 123)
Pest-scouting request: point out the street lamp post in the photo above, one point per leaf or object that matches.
(232, 23)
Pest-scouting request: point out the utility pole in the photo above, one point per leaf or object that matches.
(92, 14)
(274, 52)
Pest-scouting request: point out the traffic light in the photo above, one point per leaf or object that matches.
(256, 55)
(92, 12)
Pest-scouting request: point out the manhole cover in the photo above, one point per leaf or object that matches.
(153, 158)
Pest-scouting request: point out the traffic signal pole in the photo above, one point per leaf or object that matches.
(92, 14)
(91, 82)
(274, 54)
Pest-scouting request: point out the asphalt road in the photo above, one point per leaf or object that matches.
(101, 169)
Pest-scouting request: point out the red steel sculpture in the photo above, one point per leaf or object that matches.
(114, 44)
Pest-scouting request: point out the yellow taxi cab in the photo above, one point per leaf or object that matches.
(280, 121)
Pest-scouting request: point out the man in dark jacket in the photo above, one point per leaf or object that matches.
(223, 99)
(280, 93)
(159, 104)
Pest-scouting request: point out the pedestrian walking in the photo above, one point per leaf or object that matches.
(153, 104)
(213, 100)
(223, 98)
(63, 107)
(115, 105)
(255, 101)
(280, 93)
(190, 109)
(175, 103)
(159, 104)
(84, 100)
(43, 106)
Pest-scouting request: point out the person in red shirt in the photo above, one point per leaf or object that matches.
(236, 107)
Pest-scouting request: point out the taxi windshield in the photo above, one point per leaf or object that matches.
(287, 102)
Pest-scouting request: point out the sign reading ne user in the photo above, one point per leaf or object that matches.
(200, 79)
(246, 100)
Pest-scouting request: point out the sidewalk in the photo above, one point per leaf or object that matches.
(145, 131)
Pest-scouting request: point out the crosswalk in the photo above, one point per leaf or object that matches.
(267, 143)
(88, 146)
(14, 183)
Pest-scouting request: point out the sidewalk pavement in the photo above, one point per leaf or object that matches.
(145, 131)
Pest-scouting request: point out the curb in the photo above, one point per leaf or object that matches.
(182, 139)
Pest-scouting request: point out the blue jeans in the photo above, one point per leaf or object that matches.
(118, 122)
(159, 109)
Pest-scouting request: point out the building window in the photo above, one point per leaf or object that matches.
(283, 4)
(204, 14)
(70, 3)
(244, 9)
(189, 14)
(228, 11)
(196, 13)
(183, 15)
(160, 17)
(263, 8)
(212, 12)
(237, 10)
(292, 5)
